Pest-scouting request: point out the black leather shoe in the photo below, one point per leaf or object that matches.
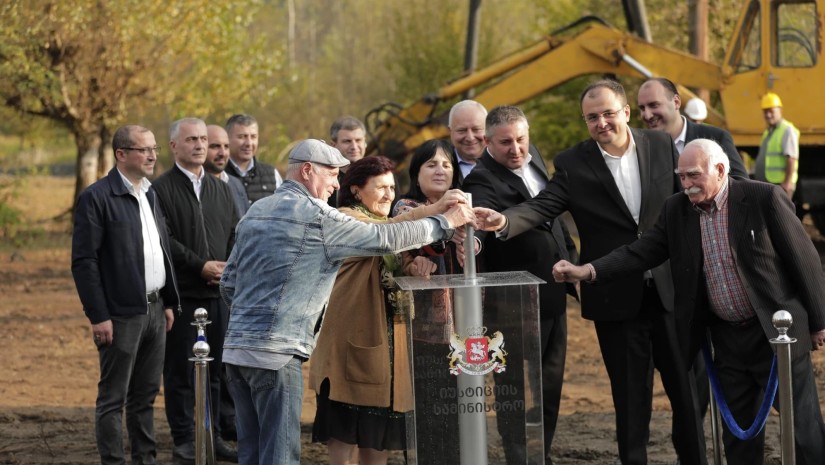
(184, 454)
(225, 451)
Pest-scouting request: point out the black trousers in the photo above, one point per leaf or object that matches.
(179, 372)
(743, 362)
(630, 350)
(553, 355)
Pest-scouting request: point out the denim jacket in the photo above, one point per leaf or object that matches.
(288, 250)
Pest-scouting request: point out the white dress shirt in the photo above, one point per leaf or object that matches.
(154, 273)
(197, 180)
(625, 171)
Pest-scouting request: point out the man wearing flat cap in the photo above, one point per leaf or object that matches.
(277, 281)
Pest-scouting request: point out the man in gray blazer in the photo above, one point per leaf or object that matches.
(738, 254)
(614, 185)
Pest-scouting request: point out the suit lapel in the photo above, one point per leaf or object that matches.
(693, 233)
(737, 214)
(506, 176)
(593, 157)
(690, 132)
(644, 157)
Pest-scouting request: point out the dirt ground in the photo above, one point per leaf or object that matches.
(49, 365)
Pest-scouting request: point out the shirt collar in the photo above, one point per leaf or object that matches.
(631, 147)
(192, 176)
(719, 201)
(682, 134)
(223, 176)
(144, 183)
(527, 160)
(248, 167)
(462, 161)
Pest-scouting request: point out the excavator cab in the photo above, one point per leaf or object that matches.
(777, 47)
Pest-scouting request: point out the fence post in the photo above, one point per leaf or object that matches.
(782, 321)
(204, 442)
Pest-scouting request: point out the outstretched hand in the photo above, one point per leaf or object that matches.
(566, 272)
(459, 215)
(450, 198)
(489, 220)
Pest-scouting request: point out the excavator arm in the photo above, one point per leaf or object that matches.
(596, 48)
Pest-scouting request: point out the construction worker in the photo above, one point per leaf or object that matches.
(779, 150)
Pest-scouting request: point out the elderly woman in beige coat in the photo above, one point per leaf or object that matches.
(360, 368)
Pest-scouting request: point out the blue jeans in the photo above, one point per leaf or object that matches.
(130, 372)
(267, 413)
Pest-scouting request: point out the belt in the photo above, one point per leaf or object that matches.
(153, 297)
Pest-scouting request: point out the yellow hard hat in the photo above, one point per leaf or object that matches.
(771, 100)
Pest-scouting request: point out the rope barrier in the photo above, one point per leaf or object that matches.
(764, 409)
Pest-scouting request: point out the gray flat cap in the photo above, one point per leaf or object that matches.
(317, 151)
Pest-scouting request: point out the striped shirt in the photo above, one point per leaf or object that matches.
(726, 293)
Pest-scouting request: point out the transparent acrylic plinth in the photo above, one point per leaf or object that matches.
(506, 399)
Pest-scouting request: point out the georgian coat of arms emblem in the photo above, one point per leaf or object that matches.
(477, 354)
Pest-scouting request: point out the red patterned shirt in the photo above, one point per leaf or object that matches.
(726, 293)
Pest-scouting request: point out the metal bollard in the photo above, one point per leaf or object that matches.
(472, 426)
(782, 321)
(204, 441)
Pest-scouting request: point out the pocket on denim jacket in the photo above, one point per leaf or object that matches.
(369, 365)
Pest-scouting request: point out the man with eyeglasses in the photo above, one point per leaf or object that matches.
(121, 264)
(260, 179)
(614, 185)
(202, 217)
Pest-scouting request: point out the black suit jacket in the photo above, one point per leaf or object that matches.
(584, 186)
(775, 258)
(495, 186)
(723, 138)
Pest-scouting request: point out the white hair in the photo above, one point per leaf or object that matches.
(713, 151)
(465, 104)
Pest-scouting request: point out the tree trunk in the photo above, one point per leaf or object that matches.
(105, 154)
(88, 148)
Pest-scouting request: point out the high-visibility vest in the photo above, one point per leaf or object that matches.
(775, 159)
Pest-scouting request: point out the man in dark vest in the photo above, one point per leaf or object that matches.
(259, 179)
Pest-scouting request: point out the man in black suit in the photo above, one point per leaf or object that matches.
(739, 254)
(614, 185)
(506, 175)
(659, 104)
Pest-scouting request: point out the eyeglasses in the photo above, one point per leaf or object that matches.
(608, 115)
(144, 150)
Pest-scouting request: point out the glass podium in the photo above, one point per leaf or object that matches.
(475, 364)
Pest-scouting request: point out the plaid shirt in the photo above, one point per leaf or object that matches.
(726, 293)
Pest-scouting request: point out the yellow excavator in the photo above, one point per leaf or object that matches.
(776, 46)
